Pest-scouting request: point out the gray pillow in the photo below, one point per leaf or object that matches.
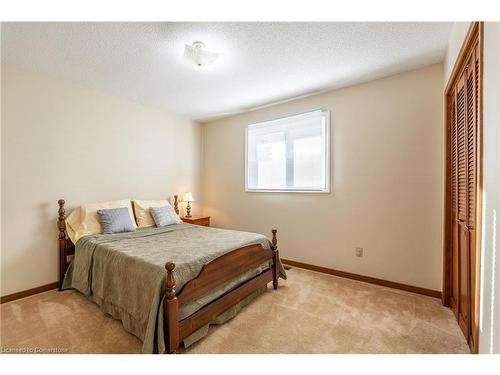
(164, 216)
(115, 220)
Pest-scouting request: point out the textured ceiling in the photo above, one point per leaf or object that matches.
(261, 63)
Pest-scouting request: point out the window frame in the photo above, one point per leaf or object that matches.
(327, 190)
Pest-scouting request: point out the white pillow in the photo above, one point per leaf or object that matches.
(73, 223)
(142, 213)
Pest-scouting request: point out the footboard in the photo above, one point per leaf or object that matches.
(213, 274)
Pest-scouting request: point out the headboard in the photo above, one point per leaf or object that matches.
(67, 247)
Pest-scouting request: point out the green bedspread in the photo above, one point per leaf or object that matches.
(125, 273)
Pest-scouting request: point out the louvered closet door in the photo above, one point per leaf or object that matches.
(455, 291)
(464, 119)
(463, 114)
(461, 220)
(472, 105)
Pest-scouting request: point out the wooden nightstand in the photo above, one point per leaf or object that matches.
(198, 220)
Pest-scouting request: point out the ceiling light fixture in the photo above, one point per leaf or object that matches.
(197, 54)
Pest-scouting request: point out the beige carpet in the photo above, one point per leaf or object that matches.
(309, 313)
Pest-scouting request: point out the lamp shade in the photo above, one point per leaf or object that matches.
(188, 197)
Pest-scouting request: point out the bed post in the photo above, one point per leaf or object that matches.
(276, 259)
(171, 311)
(176, 204)
(61, 226)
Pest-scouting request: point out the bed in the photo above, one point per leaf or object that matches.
(168, 284)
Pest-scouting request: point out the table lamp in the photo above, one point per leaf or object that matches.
(188, 197)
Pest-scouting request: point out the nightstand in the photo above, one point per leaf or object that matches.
(197, 220)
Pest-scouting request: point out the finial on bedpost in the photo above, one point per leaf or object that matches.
(276, 259)
(176, 204)
(61, 221)
(170, 292)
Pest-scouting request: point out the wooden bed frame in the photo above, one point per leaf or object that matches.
(213, 274)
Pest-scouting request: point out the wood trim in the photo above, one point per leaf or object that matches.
(29, 292)
(366, 279)
(462, 55)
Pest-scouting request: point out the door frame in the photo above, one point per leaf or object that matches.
(475, 31)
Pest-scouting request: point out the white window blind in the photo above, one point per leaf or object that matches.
(289, 154)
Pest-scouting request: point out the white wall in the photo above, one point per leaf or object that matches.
(489, 323)
(387, 181)
(489, 341)
(61, 140)
(457, 37)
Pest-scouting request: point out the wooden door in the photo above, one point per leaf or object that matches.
(455, 288)
(463, 98)
(471, 121)
(460, 225)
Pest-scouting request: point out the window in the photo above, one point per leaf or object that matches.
(289, 154)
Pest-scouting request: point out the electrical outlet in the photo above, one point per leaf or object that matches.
(359, 252)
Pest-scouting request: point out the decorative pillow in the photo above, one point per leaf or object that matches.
(143, 214)
(164, 216)
(115, 220)
(88, 222)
